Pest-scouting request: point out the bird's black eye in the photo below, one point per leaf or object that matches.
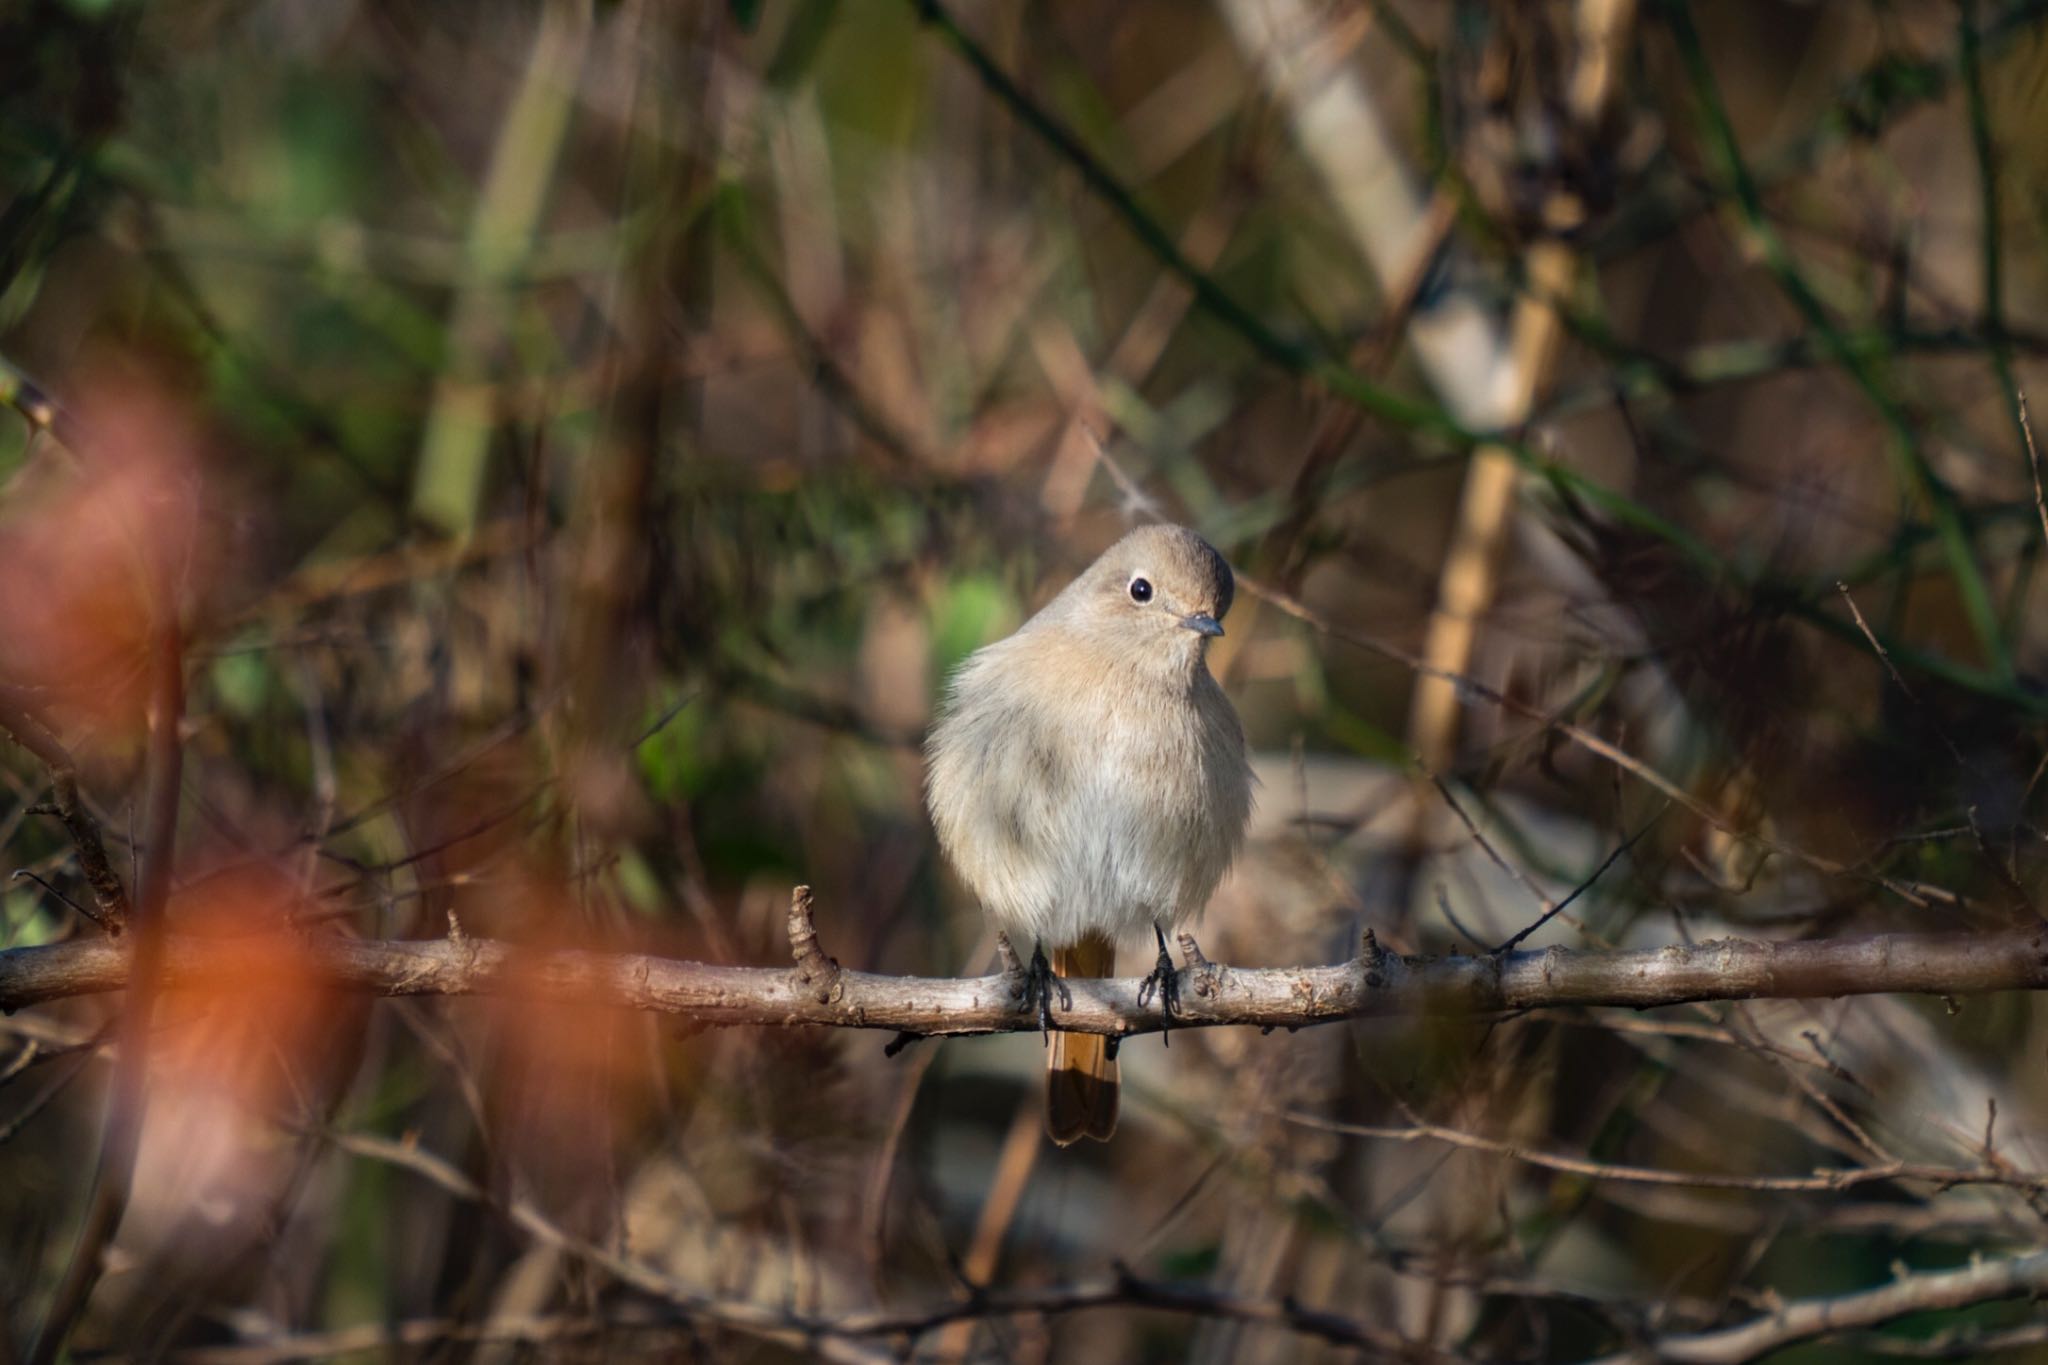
(1141, 590)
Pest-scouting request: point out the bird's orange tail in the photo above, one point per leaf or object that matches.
(1080, 1084)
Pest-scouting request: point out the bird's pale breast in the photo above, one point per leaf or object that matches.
(1073, 794)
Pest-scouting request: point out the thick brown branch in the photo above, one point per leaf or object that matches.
(1375, 984)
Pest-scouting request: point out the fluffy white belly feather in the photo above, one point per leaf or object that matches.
(1097, 821)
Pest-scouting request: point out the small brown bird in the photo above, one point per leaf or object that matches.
(1088, 780)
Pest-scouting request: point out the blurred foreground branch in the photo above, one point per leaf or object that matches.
(818, 991)
(142, 956)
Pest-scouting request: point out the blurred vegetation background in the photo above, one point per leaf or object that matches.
(578, 439)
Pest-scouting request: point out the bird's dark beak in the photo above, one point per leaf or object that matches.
(1201, 623)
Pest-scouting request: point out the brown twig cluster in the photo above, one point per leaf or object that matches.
(109, 908)
(888, 1334)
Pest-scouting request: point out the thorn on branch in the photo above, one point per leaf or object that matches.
(1006, 953)
(813, 967)
(1370, 954)
(1205, 972)
(902, 1041)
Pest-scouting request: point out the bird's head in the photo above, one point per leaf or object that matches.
(1162, 591)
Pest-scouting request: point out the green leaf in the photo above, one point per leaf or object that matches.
(241, 680)
(972, 611)
(671, 760)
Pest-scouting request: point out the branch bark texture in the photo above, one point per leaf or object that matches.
(1372, 985)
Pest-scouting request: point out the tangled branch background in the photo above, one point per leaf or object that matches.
(492, 491)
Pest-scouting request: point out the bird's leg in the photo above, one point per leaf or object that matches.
(1164, 982)
(1040, 985)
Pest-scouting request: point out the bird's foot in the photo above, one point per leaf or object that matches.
(1040, 986)
(1163, 984)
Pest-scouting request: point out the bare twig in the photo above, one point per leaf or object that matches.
(2033, 460)
(1554, 911)
(29, 874)
(874, 1218)
(110, 899)
(1822, 1181)
(1494, 855)
(1805, 1319)
(1967, 1342)
(1885, 658)
(1876, 646)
